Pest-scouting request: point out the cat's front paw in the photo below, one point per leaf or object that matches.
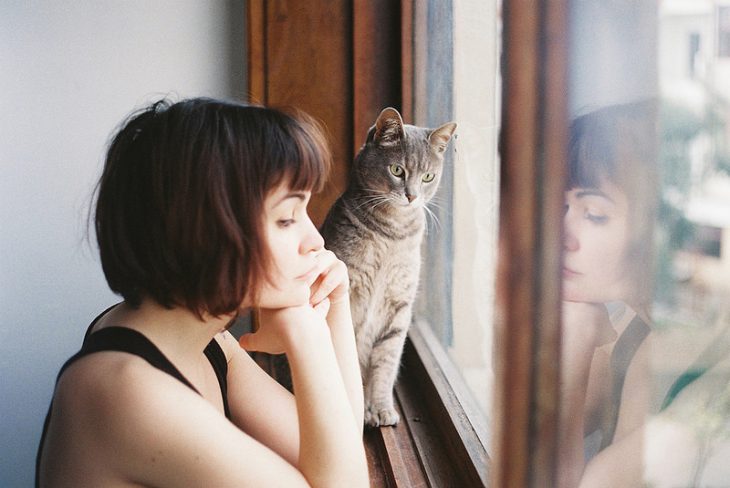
(380, 415)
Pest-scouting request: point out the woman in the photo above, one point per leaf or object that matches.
(607, 244)
(201, 215)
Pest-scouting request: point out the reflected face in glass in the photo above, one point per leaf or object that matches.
(596, 267)
(294, 244)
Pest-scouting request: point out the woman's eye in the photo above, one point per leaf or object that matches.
(428, 177)
(596, 218)
(397, 170)
(285, 222)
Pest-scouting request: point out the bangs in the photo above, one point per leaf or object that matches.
(299, 155)
(611, 144)
(593, 150)
(591, 158)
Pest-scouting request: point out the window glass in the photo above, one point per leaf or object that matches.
(646, 279)
(723, 31)
(456, 52)
(690, 367)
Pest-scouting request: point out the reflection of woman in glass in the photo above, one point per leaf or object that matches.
(201, 213)
(606, 264)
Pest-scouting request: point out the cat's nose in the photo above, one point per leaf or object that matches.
(410, 197)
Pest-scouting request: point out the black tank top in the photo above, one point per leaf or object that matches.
(122, 339)
(623, 353)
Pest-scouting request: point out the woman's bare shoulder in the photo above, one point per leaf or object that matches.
(147, 426)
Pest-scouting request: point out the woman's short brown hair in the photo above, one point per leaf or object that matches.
(180, 202)
(617, 144)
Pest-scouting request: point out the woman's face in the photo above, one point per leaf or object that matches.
(596, 267)
(294, 244)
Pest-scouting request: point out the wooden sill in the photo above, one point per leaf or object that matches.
(447, 430)
(441, 438)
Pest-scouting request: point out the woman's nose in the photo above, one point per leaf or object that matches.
(313, 240)
(570, 240)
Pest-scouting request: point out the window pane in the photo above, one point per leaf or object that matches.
(690, 364)
(646, 281)
(455, 78)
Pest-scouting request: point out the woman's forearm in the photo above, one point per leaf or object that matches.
(331, 450)
(343, 340)
(581, 323)
(573, 387)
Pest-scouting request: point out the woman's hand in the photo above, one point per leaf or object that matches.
(585, 327)
(587, 324)
(330, 286)
(279, 327)
(332, 281)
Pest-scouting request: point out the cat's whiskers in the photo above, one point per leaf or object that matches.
(433, 216)
(378, 199)
(384, 200)
(437, 202)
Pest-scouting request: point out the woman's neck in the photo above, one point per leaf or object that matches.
(177, 332)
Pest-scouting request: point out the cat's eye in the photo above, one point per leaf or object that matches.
(428, 177)
(397, 170)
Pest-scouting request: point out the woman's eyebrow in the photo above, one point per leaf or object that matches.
(298, 195)
(593, 192)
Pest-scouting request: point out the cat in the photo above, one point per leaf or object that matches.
(376, 227)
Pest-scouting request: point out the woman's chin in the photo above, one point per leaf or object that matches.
(290, 300)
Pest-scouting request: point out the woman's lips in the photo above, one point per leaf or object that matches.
(309, 276)
(569, 273)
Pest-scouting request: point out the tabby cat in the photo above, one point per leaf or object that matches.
(376, 228)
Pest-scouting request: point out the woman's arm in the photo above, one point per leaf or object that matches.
(271, 415)
(331, 451)
(620, 464)
(117, 418)
(584, 325)
(343, 339)
(334, 285)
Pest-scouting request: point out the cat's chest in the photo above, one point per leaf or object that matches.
(387, 254)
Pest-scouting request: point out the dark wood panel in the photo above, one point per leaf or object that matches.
(532, 147)
(289, 66)
(256, 48)
(377, 62)
(407, 59)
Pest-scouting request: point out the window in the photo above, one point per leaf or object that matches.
(706, 241)
(492, 294)
(455, 77)
(694, 49)
(723, 32)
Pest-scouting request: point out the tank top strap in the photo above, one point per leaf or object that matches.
(623, 353)
(217, 359)
(122, 339)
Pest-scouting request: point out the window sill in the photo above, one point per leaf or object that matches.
(441, 438)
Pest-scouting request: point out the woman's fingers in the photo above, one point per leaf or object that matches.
(323, 307)
(332, 282)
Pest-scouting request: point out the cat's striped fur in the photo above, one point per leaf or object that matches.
(376, 228)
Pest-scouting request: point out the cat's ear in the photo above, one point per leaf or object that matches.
(388, 129)
(439, 138)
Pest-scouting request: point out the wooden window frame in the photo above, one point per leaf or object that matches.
(441, 440)
(533, 147)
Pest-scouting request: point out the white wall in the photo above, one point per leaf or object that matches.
(69, 72)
